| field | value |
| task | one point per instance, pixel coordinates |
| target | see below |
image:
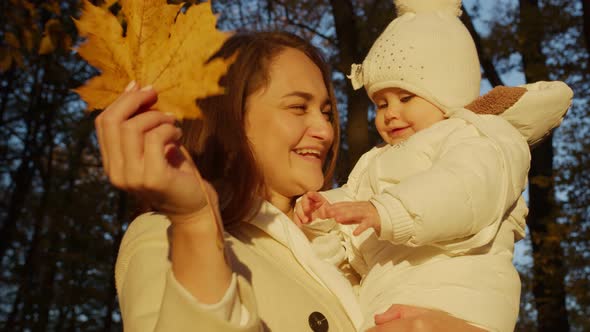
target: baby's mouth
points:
(396, 132)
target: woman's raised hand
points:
(141, 154)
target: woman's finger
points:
(112, 120)
(389, 315)
(100, 140)
(155, 160)
(132, 135)
(99, 125)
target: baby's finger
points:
(344, 213)
(318, 199)
(315, 197)
(345, 218)
(300, 217)
(305, 204)
(363, 226)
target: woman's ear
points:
(533, 109)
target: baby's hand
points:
(362, 213)
(312, 205)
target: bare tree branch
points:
(310, 29)
(486, 62)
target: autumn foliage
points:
(164, 45)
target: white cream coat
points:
(280, 280)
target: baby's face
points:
(401, 114)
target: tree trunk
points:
(24, 176)
(121, 219)
(586, 10)
(9, 325)
(44, 302)
(357, 126)
(22, 180)
(55, 226)
(548, 269)
(5, 92)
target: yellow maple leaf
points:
(164, 46)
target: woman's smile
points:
(314, 155)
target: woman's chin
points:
(314, 185)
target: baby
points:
(431, 217)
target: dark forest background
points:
(61, 221)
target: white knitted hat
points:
(425, 50)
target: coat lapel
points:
(276, 224)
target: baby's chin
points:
(394, 141)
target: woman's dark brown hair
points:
(218, 143)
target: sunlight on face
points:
(401, 114)
(289, 126)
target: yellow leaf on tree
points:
(28, 38)
(52, 6)
(11, 40)
(107, 4)
(163, 46)
(52, 32)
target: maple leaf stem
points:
(220, 240)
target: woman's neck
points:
(285, 204)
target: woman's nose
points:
(320, 127)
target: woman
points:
(269, 139)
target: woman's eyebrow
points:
(305, 95)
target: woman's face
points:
(288, 123)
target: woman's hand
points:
(140, 154)
(406, 318)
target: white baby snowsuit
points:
(449, 200)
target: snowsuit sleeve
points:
(464, 192)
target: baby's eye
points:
(407, 98)
(381, 106)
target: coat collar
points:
(276, 224)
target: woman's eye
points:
(328, 115)
(298, 107)
(406, 99)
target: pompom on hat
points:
(426, 50)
